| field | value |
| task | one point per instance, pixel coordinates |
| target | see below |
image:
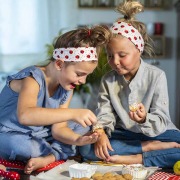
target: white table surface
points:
(61, 172)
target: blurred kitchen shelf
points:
(159, 46)
(109, 4)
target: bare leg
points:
(39, 162)
(130, 159)
(158, 145)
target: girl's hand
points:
(85, 117)
(102, 146)
(87, 139)
(139, 115)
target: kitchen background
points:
(26, 26)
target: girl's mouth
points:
(73, 85)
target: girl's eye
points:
(110, 56)
(122, 55)
(80, 74)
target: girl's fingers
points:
(131, 114)
(106, 153)
(88, 122)
(140, 114)
(110, 147)
(102, 155)
(83, 123)
(95, 135)
(93, 119)
(136, 117)
(93, 138)
(97, 153)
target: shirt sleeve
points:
(158, 117)
(105, 112)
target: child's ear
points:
(59, 64)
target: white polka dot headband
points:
(76, 54)
(128, 31)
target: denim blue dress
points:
(19, 142)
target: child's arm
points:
(102, 145)
(63, 133)
(30, 114)
(105, 111)
(157, 118)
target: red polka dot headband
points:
(76, 54)
(128, 31)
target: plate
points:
(103, 163)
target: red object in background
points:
(51, 165)
(12, 175)
(9, 175)
(174, 178)
(20, 165)
(158, 28)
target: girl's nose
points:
(116, 61)
(82, 80)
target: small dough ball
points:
(108, 174)
(128, 176)
(111, 178)
(98, 178)
(97, 174)
(119, 177)
(106, 178)
(133, 107)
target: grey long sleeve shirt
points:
(149, 87)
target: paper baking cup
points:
(81, 170)
(138, 171)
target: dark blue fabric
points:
(125, 142)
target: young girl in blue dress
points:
(34, 102)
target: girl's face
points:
(73, 74)
(123, 56)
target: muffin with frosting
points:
(138, 171)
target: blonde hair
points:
(129, 8)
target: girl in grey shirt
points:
(133, 106)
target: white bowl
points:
(81, 170)
(138, 171)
